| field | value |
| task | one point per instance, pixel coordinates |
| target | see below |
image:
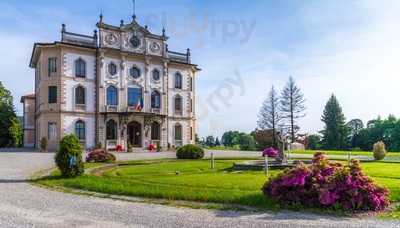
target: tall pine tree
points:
(292, 106)
(335, 133)
(269, 116)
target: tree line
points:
(354, 135)
(11, 130)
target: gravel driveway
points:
(24, 205)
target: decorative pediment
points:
(131, 37)
(135, 27)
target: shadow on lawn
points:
(11, 181)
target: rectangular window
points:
(52, 94)
(52, 131)
(134, 96)
(178, 132)
(52, 67)
(191, 133)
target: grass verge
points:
(190, 180)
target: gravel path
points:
(24, 205)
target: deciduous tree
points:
(10, 133)
(269, 116)
(292, 106)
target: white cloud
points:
(358, 63)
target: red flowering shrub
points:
(151, 147)
(329, 185)
(99, 155)
(119, 148)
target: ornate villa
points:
(121, 87)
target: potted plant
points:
(151, 147)
(43, 144)
(130, 147)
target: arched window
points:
(80, 130)
(112, 69)
(155, 99)
(80, 68)
(112, 95)
(80, 98)
(178, 132)
(156, 75)
(178, 80)
(111, 130)
(178, 104)
(155, 131)
(134, 72)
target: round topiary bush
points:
(69, 157)
(190, 152)
(325, 184)
(99, 155)
(379, 150)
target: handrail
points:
(81, 35)
(177, 53)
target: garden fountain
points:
(279, 160)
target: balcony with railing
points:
(79, 39)
(178, 56)
(130, 109)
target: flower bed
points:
(327, 184)
(99, 155)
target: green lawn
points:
(390, 155)
(194, 181)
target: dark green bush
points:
(190, 152)
(43, 144)
(69, 157)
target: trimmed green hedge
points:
(190, 152)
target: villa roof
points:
(28, 96)
(133, 25)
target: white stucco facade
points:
(115, 88)
(69, 122)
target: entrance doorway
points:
(135, 134)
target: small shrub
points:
(151, 147)
(98, 146)
(130, 147)
(325, 184)
(379, 150)
(69, 157)
(190, 152)
(159, 147)
(43, 144)
(99, 155)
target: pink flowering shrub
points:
(327, 184)
(270, 152)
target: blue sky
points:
(350, 48)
